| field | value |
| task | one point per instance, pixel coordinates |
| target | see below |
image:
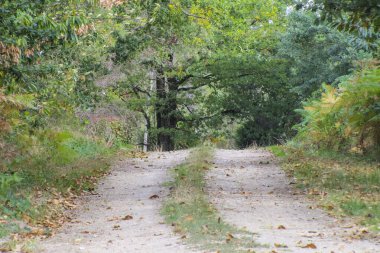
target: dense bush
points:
(262, 132)
(346, 118)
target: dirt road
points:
(124, 215)
(247, 187)
(252, 192)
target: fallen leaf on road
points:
(155, 196)
(309, 246)
(281, 227)
(229, 237)
(127, 217)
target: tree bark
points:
(166, 111)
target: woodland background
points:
(84, 80)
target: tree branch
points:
(137, 89)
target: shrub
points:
(346, 118)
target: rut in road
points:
(247, 187)
(124, 216)
(251, 191)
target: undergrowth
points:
(345, 118)
(49, 164)
(192, 216)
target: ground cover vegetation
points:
(82, 79)
(51, 53)
(192, 216)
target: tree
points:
(48, 65)
(359, 17)
(317, 53)
(159, 47)
(176, 42)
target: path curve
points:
(251, 191)
(133, 191)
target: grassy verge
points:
(37, 185)
(189, 211)
(345, 185)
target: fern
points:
(344, 118)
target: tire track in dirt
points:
(124, 215)
(251, 191)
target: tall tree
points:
(317, 53)
(177, 41)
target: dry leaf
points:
(309, 246)
(281, 227)
(229, 237)
(127, 217)
(189, 218)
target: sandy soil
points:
(252, 192)
(124, 215)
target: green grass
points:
(191, 215)
(349, 185)
(6, 229)
(277, 150)
(56, 163)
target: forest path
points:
(124, 215)
(250, 191)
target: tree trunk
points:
(166, 112)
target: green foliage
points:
(360, 17)
(13, 205)
(185, 45)
(53, 158)
(50, 57)
(340, 120)
(317, 53)
(277, 150)
(360, 208)
(259, 94)
(54, 155)
(6, 183)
